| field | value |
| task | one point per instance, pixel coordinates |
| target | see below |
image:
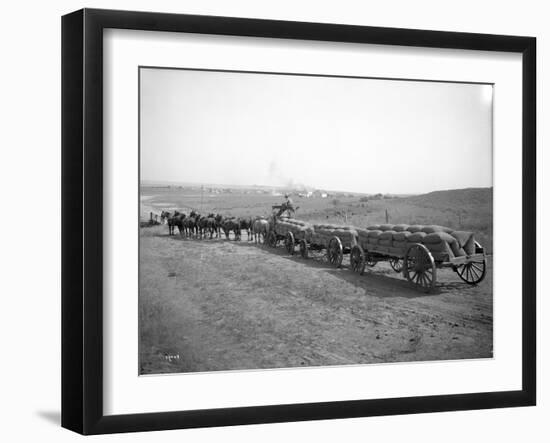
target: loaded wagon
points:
(419, 251)
(287, 230)
(336, 240)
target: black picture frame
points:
(82, 218)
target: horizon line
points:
(296, 187)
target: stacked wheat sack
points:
(299, 228)
(439, 240)
(322, 233)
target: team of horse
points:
(195, 225)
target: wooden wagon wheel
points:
(289, 243)
(357, 259)
(335, 252)
(272, 239)
(396, 264)
(419, 267)
(472, 272)
(304, 250)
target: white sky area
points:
(357, 135)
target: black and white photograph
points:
(298, 220)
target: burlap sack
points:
(436, 228)
(401, 236)
(387, 235)
(415, 228)
(465, 240)
(416, 237)
(386, 227)
(437, 247)
(373, 227)
(374, 234)
(438, 237)
(400, 228)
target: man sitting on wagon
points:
(287, 206)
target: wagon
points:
(419, 251)
(288, 231)
(336, 240)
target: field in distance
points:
(468, 209)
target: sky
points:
(345, 134)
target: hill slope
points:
(479, 197)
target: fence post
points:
(387, 218)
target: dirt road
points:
(208, 305)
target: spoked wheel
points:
(304, 250)
(419, 267)
(272, 239)
(472, 272)
(357, 259)
(335, 252)
(396, 264)
(289, 243)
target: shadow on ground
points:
(53, 417)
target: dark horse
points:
(164, 215)
(173, 221)
(170, 219)
(246, 224)
(178, 221)
(210, 224)
(190, 224)
(231, 224)
(203, 226)
(218, 225)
